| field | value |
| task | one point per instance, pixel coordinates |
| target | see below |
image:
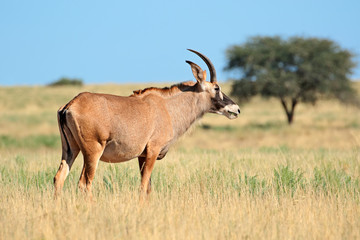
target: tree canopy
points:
(293, 70)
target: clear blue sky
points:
(146, 41)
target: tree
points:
(294, 70)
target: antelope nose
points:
(239, 111)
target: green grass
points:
(215, 179)
(31, 142)
(288, 181)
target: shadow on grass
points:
(220, 128)
(270, 125)
(267, 125)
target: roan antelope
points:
(144, 125)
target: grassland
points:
(251, 178)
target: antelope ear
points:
(204, 75)
(199, 74)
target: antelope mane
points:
(166, 91)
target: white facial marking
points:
(221, 95)
(231, 111)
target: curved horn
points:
(209, 64)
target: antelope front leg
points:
(142, 161)
(146, 167)
(82, 180)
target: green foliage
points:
(254, 185)
(294, 70)
(67, 82)
(24, 179)
(287, 180)
(331, 180)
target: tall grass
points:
(252, 178)
(209, 195)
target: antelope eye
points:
(217, 88)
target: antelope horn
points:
(209, 64)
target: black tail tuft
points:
(62, 121)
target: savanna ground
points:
(250, 178)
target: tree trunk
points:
(289, 112)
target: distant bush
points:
(67, 82)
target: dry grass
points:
(252, 178)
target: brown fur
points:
(144, 125)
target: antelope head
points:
(220, 103)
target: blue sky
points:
(146, 41)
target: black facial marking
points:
(218, 103)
